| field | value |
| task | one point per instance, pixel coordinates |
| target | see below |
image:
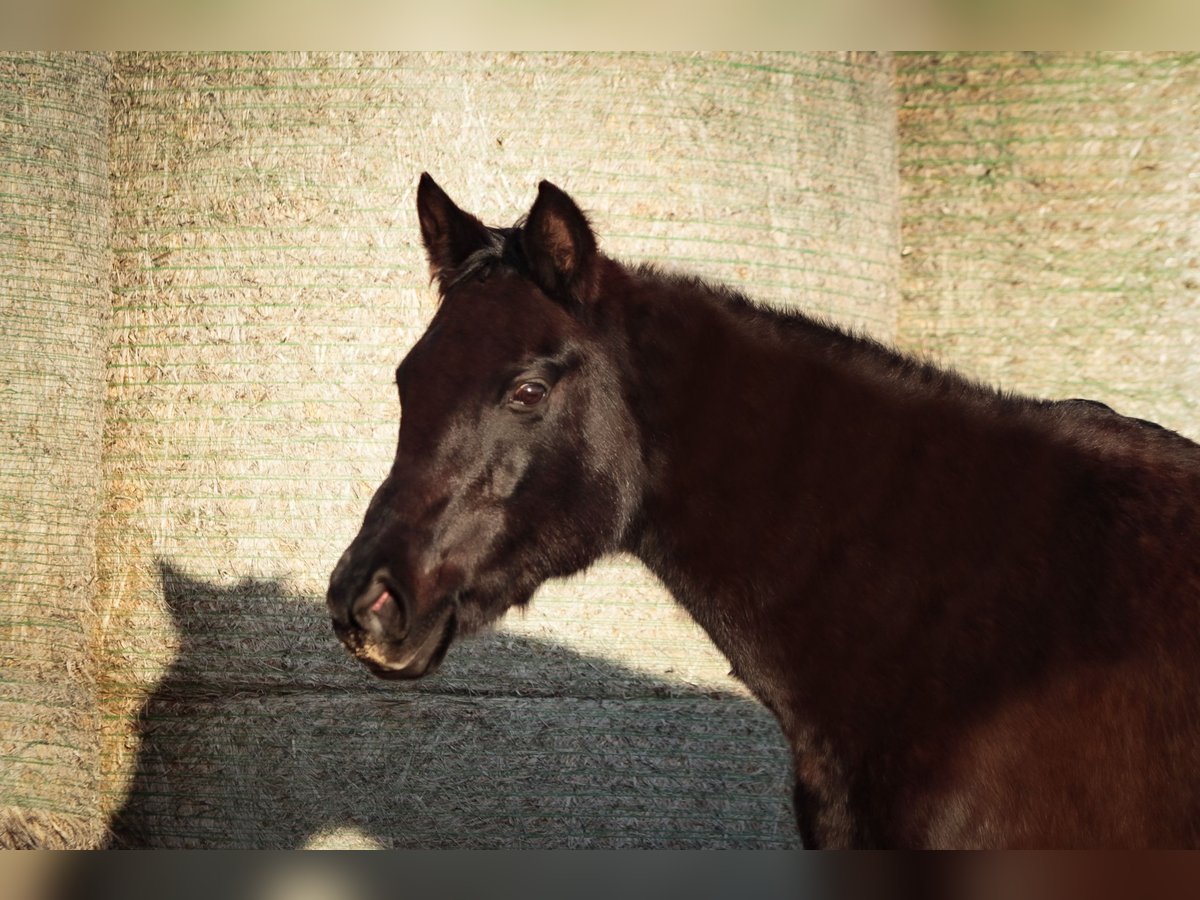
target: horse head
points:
(517, 458)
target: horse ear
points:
(450, 235)
(560, 246)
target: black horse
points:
(975, 615)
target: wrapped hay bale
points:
(1049, 210)
(54, 264)
(268, 278)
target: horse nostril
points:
(381, 611)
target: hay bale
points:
(268, 277)
(54, 264)
(1049, 209)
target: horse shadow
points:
(263, 733)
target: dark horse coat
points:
(975, 615)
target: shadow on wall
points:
(517, 743)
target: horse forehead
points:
(479, 328)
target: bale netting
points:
(1050, 215)
(54, 264)
(268, 277)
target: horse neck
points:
(757, 432)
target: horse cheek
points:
(506, 472)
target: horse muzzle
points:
(382, 630)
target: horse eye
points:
(529, 393)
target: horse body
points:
(976, 616)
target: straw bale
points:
(421, 771)
(536, 758)
(267, 278)
(1049, 223)
(54, 221)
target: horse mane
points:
(502, 248)
(853, 348)
(1088, 425)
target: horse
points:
(975, 615)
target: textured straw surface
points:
(54, 223)
(267, 279)
(1050, 209)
